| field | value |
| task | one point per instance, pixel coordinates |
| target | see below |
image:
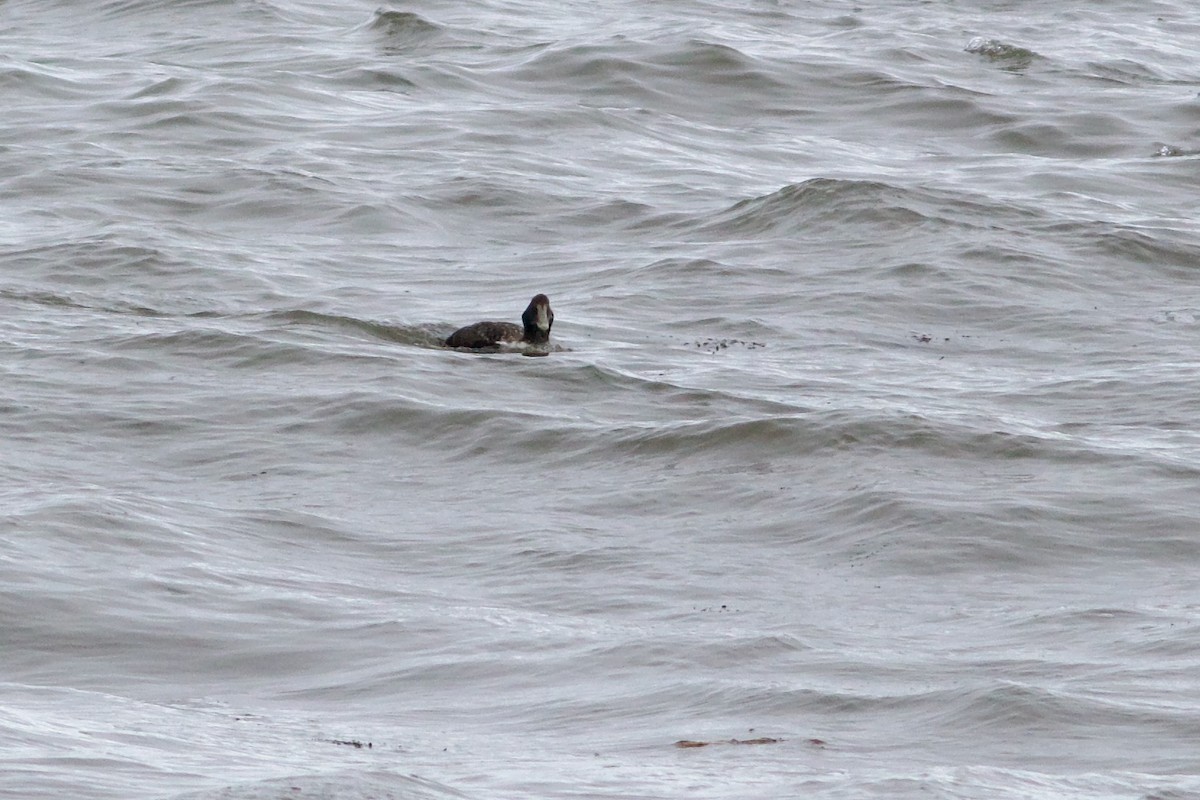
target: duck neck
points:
(536, 335)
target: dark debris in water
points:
(925, 338)
(355, 743)
(757, 740)
(717, 345)
(722, 608)
(760, 740)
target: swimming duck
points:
(534, 328)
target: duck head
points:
(537, 320)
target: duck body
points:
(534, 329)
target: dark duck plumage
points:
(534, 328)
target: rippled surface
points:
(870, 430)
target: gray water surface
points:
(870, 426)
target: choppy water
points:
(871, 428)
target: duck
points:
(534, 329)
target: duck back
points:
(485, 334)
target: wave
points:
(623, 73)
(349, 785)
(819, 205)
(403, 32)
(1008, 56)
